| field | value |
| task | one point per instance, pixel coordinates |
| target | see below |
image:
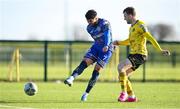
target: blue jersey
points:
(101, 32)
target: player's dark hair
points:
(91, 14)
(130, 11)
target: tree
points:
(161, 31)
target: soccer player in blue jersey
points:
(99, 53)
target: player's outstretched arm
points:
(156, 45)
(125, 42)
(115, 42)
(166, 52)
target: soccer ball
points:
(30, 88)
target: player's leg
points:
(122, 68)
(131, 95)
(92, 82)
(128, 84)
(94, 78)
(89, 58)
(130, 92)
(129, 88)
(136, 61)
(102, 60)
(83, 65)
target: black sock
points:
(92, 81)
(79, 69)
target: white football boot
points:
(84, 97)
(69, 81)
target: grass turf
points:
(158, 71)
(52, 95)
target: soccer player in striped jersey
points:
(99, 53)
(138, 35)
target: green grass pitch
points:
(52, 95)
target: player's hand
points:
(105, 48)
(115, 42)
(166, 52)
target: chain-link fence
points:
(55, 60)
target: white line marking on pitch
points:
(15, 107)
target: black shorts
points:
(137, 60)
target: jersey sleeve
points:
(88, 29)
(143, 28)
(125, 42)
(107, 33)
(153, 41)
(145, 33)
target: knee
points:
(121, 68)
(88, 61)
(97, 68)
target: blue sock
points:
(79, 69)
(92, 81)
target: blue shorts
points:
(96, 54)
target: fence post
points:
(144, 73)
(70, 58)
(174, 59)
(45, 60)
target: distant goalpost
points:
(15, 59)
(111, 68)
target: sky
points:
(56, 19)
